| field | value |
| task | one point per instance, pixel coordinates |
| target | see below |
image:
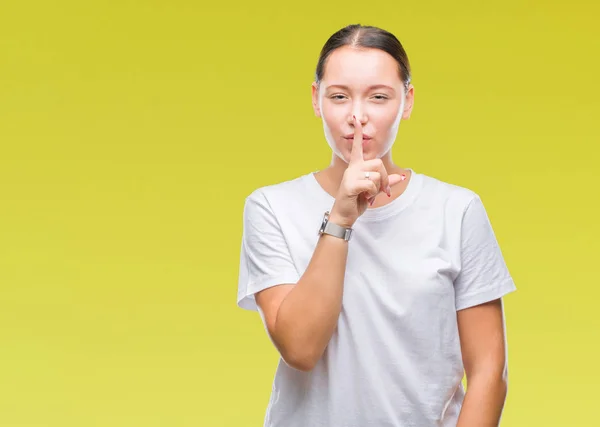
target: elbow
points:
(504, 383)
(503, 379)
(300, 359)
(297, 353)
(490, 377)
(300, 364)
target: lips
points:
(351, 137)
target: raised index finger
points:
(356, 154)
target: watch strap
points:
(335, 230)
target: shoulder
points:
(281, 189)
(282, 194)
(448, 194)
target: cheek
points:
(333, 116)
(385, 118)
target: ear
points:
(409, 102)
(315, 99)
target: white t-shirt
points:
(395, 357)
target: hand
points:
(356, 191)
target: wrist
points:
(338, 219)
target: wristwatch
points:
(334, 229)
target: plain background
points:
(132, 131)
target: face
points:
(364, 83)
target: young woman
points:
(378, 285)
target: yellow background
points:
(132, 131)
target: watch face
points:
(324, 223)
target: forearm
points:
(308, 315)
(484, 401)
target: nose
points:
(359, 113)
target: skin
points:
(379, 110)
(300, 318)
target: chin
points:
(367, 154)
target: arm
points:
(301, 318)
(484, 349)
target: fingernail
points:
(372, 201)
(389, 191)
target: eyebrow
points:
(379, 86)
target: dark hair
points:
(364, 36)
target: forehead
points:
(349, 65)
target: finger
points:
(366, 188)
(377, 165)
(374, 177)
(356, 155)
(396, 178)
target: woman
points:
(379, 286)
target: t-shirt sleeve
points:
(484, 275)
(265, 259)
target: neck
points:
(337, 167)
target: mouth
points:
(350, 137)
(366, 140)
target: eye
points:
(337, 97)
(380, 97)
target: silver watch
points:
(334, 229)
